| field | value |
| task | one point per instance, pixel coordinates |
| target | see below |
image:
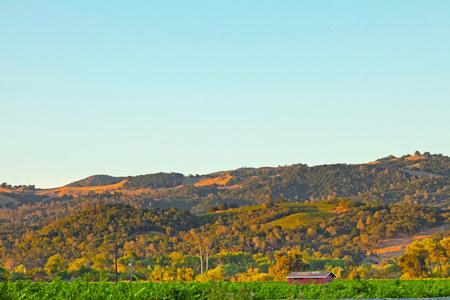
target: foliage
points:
(386, 180)
(228, 290)
(426, 258)
(154, 181)
(163, 243)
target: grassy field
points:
(302, 213)
(300, 219)
(312, 206)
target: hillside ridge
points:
(419, 178)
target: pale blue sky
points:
(137, 87)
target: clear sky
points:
(138, 87)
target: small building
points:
(307, 277)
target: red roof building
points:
(307, 277)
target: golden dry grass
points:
(5, 190)
(217, 180)
(414, 166)
(77, 191)
(415, 157)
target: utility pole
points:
(115, 250)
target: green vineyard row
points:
(345, 289)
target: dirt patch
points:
(396, 247)
(4, 199)
(191, 180)
(414, 166)
(421, 174)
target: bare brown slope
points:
(396, 247)
(5, 199)
(77, 191)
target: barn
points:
(307, 277)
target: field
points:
(312, 212)
(300, 219)
(310, 206)
(355, 289)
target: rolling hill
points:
(418, 178)
(336, 214)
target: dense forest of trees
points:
(154, 181)
(248, 243)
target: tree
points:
(212, 275)
(101, 262)
(280, 201)
(414, 262)
(254, 275)
(185, 274)
(207, 242)
(360, 225)
(223, 206)
(56, 264)
(269, 201)
(78, 264)
(212, 209)
(9, 263)
(286, 263)
(197, 239)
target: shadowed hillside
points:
(96, 180)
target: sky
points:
(138, 87)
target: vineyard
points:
(353, 289)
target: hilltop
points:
(96, 180)
(419, 178)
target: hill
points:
(419, 178)
(88, 231)
(296, 216)
(76, 191)
(96, 180)
(391, 180)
